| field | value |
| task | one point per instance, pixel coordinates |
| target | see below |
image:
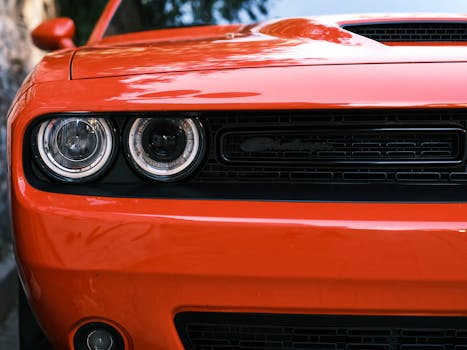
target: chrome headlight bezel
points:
(54, 169)
(188, 162)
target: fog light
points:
(98, 336)
(100, 339)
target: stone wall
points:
(17, 56)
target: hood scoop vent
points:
(406, 32)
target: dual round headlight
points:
(74, 149)
(79, 149)
(165, 149)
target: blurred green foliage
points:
(147, 14)
(85, 13)
(169, 13)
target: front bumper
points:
(137, 263)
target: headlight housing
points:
(74, 149)
(165, 149)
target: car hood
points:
(282, 42)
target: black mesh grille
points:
(223, 331)
(412, 32)
(336, 146)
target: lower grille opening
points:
(225, 331)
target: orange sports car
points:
(299, 183)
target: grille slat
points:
(412, 32)
(200, 331)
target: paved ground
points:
(8, 303)
(9, 332)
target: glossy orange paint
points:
(277, 43)
(54, 34)
(137, 262)
(340, 86)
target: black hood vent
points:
(412, 31)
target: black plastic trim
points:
(370, 186)
(409, 193)
(313, 319)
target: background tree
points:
(149, 14)
(85, 13)
(170, 13)
(14, 58)
(17, 18)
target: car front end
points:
(260, 189)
